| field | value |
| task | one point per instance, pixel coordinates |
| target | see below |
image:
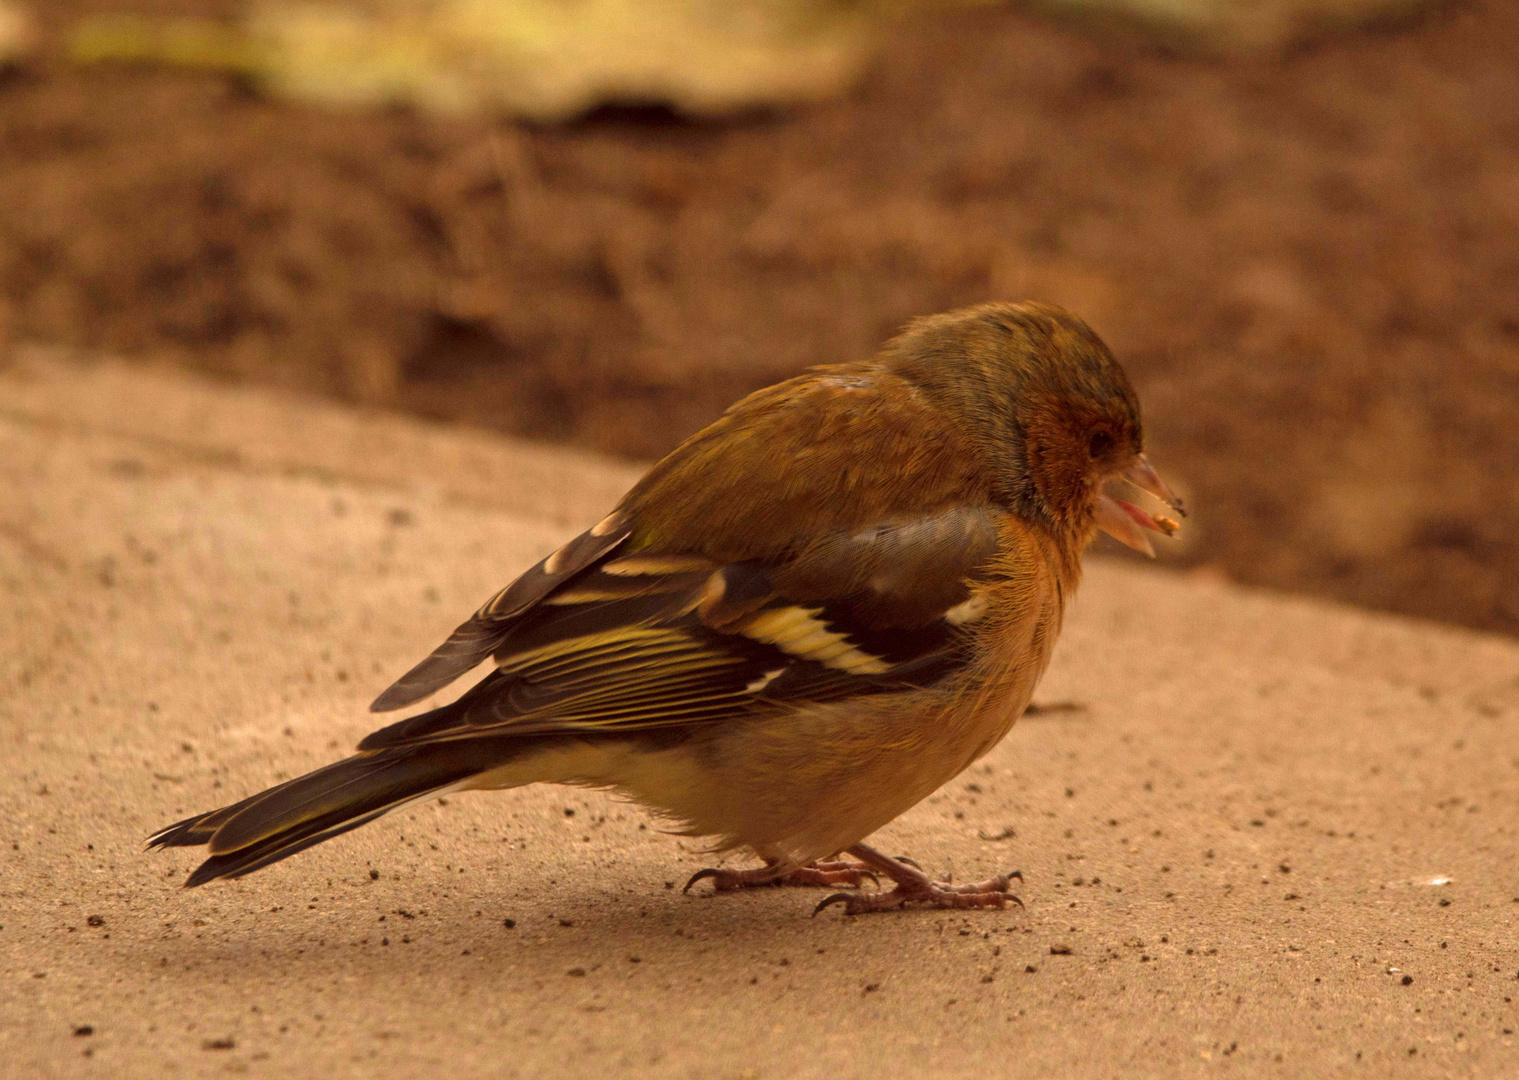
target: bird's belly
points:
(803, 785)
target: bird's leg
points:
(823, 872)
(913, 886)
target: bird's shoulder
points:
(837, 449)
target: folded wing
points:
(483, 633)
(632, 641)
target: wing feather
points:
(636, 643)
(481, 635)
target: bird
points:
(804, 620)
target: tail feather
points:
(293, 816)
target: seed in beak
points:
(1142, 475)
(1127, 523)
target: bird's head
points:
(1044, 401)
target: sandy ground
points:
(1260, 836)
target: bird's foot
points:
(915, 887)
(823, 873)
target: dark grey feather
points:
(477, 638)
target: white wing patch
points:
(650, 565)
(610, 523)
(555, 562)
(967, 611)
(585, 595)
(763, 681)
(801, 633)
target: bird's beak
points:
(1127, 523)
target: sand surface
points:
(1259, 837)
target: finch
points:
(799, 624)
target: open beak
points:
(1127, 523)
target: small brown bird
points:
(800, 623)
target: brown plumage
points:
(801, 622)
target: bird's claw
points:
(912, 886)
(833, 872)
(990, 894)
(836, 898)
(709, 872)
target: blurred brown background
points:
(1303, 243)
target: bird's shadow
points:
(559, 928)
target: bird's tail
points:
(283, 820)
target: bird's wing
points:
(638, 641)
(804, 466)
(483, 633)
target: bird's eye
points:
(1099, 444)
